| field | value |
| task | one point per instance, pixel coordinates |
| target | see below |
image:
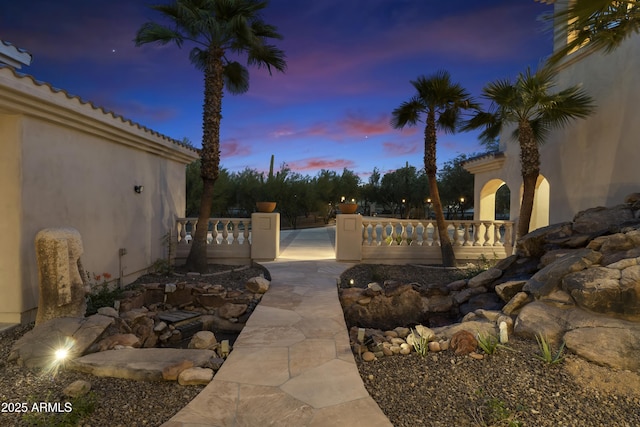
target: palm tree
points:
(528, 104)
(216, 29)
(438, 102)
(595, 25)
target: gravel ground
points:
(511, 387)
(116, 402)
(438, 390)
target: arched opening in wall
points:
(494, 201)
(540, 213)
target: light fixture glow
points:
(61, 354)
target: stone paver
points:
(292, 364)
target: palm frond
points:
(408, 113)
(236, 78)
(152, 32)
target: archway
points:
(492, 204)
(540, 214)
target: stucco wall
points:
(595, 162)
(590, 162)
(67, 164)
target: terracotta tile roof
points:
(13, 55)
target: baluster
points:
(384, 234)
(374, 234)
(414, 234)
(476, 234)
(394, 235)
(225, 232)
(487, 241)
(236, 232)
(182, 231)
(245, 232)
(425, 233)
(214, 232)
(456, 237)
(497, 238)
(467, 236)
(365, 233)
(403, 234)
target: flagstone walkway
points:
(292, 364)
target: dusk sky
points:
(350, 63)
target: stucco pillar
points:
(265, 236)
(348, 237)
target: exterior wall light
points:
(138, 188)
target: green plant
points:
(489, 343)
(420, 343)
(494, 412)
(546, 352)
(101, 294)
(68, 413)
(164, 265)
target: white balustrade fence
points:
(228, 239)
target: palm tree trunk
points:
(210, 155)
(446, 249)
(530, 165)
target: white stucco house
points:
(591, 162)
(68, 163)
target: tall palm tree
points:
(438, 102)
(216, 29)
(595, 25)
(529, 104)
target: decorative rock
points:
(391, 334)
(62, 289)
(476, 356)
(402, 332)
(397, 341)
(516, 303)
(124, 340)
(160, 327)
(485, 277)
(597, 220)
(368, 356)
(375, 287)
(457, 285)
(77, 388)
(395, 349)
(171, 373)
(387, 351)
(508, 290)
(108, 311)
(424, 332)
(215, 363)
(229, 310)
(444, 345)
(434, 346)
(405, 351)
(257, 285)
(195, 376)
(364, 301)
(463, 342)
(203, 340)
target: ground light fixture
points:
(138, 188)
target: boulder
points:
(534, 244)
(598, 220)
(77, 388)
(485, 277)
(463, 342)
(507, 290)
(195, 376)
(387, 312)
(257, 285)
(229, 310)
(550, 277)
(203, 340)
(616, 347)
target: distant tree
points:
(217, 29)
(529, 104)
(222, 192)
(348, 186)
(595, 25)
(438, 102)
(370, 192)
(456, 184)
(248, 188)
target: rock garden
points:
(548, 336)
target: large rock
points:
(62, 288)
(550, 277)
(484, 278)
(598, 220)
(601, 290)
(535, 244)
(35, 348)
(139, 363)
(617, 347)
(405, 307)
(257, 285)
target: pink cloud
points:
(233, 148)
(400, 149)
(318, 163)
(361, 126)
